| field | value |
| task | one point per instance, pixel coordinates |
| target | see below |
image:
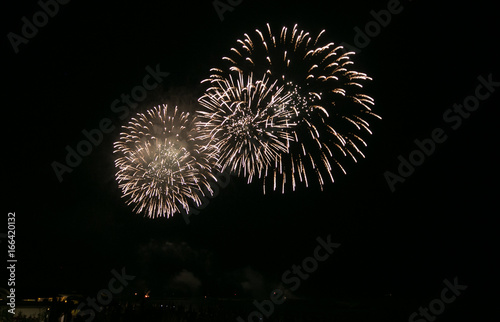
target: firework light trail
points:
(162, 165)
(245, 120)
(326, 111)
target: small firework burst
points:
(246, 121)
(326, 107)
(162, 164)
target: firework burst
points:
(328, 111)
(162, 165)
(245, 120)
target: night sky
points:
(440, 223)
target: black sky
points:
(440, 223)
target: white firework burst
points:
(246, 121)
(326, 107)
(162, 164)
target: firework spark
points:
(245, 120)
(162, 165)
(328, 113)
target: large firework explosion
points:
(245, 120)
(323, 94)
(162, 164)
